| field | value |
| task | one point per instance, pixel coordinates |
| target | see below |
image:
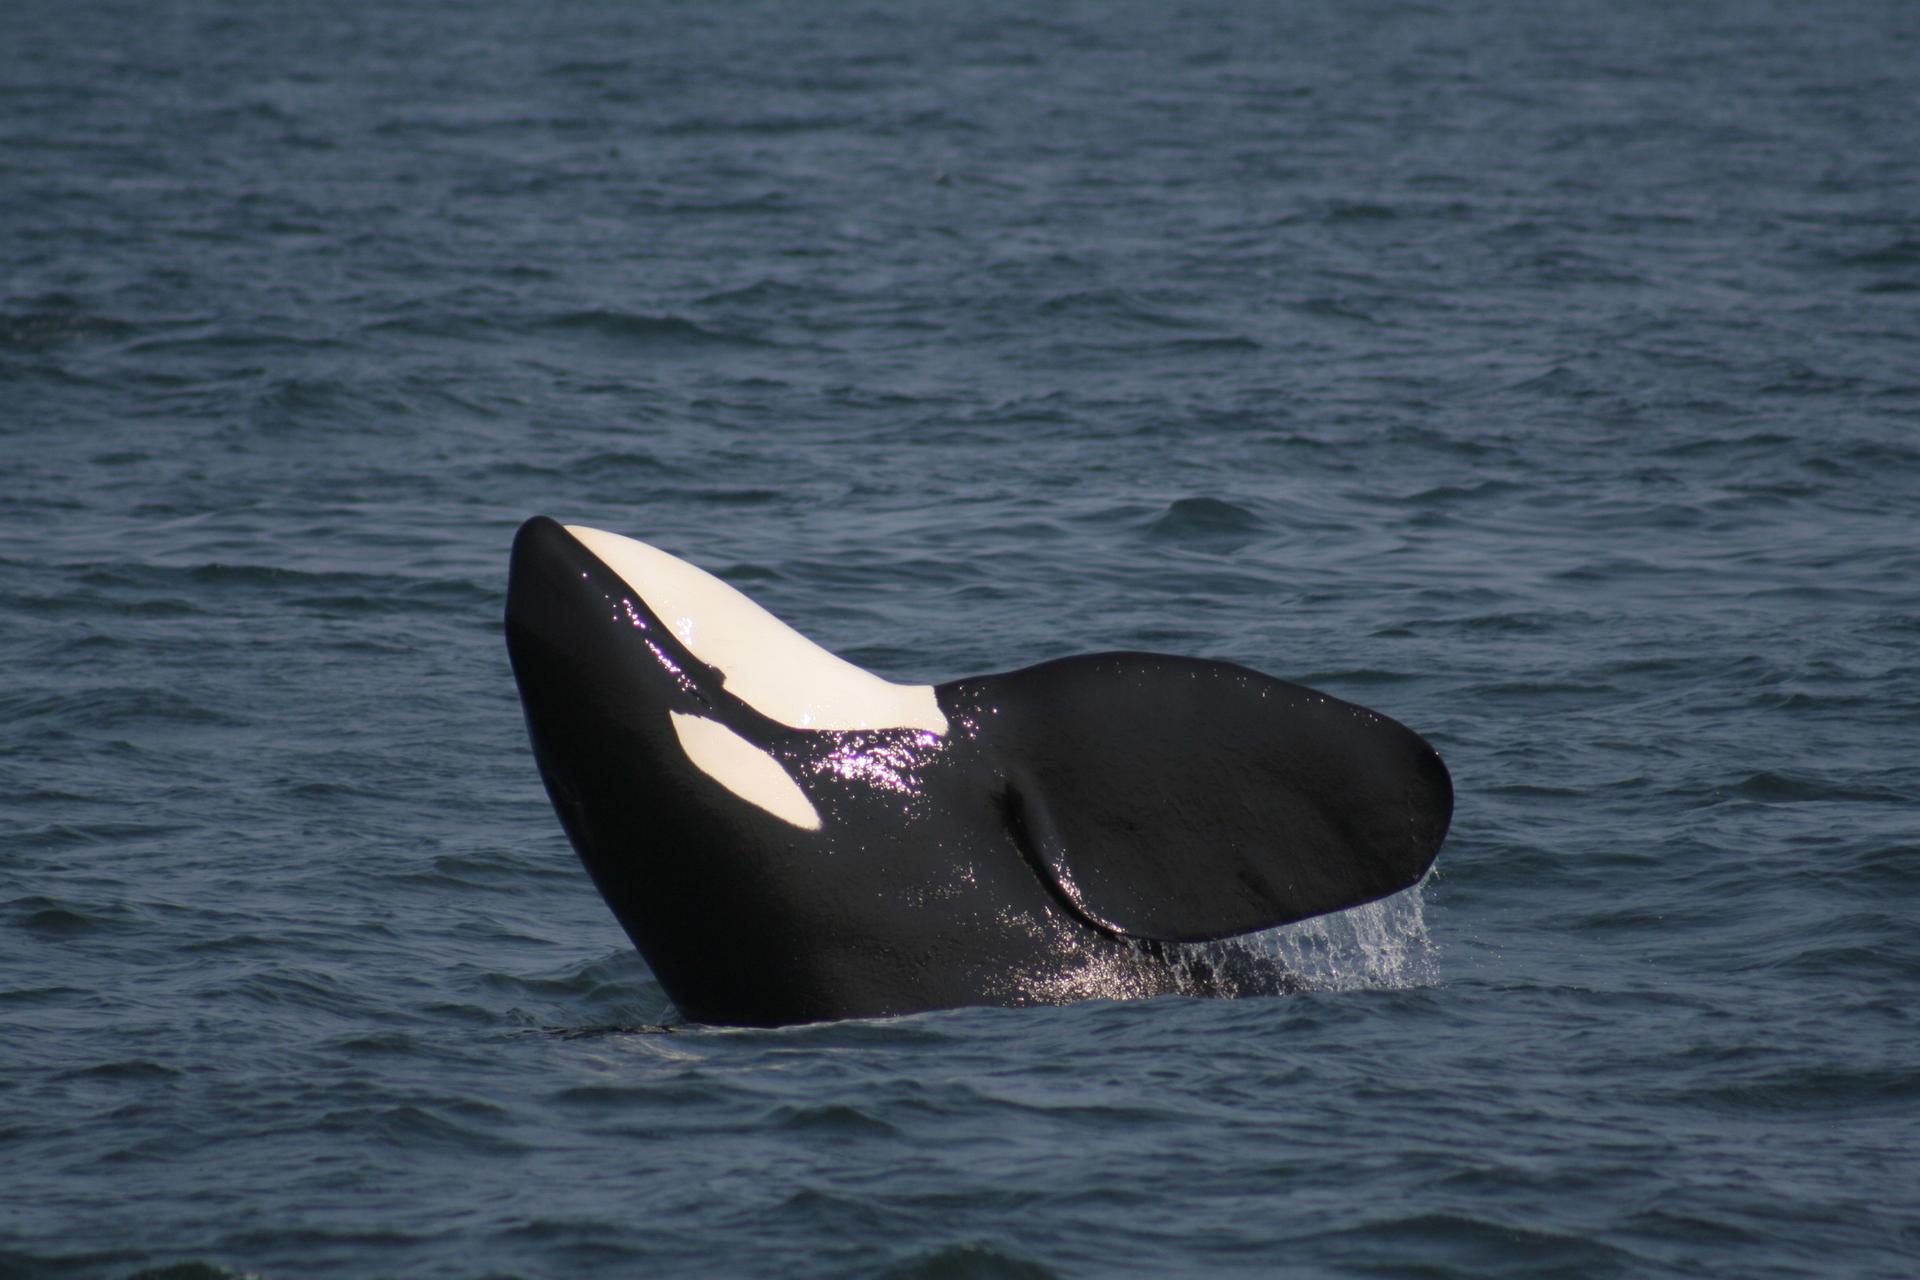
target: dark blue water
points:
(1545, 376)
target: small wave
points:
(763, 126)
(604, 1239)
(26, 1266)
(613, 995)
(762, 292)
(1458, 1244)
(1712, 446)
(733, 496)
(59, 922)
(1895, 866)
(220, 573)
(1354, 676)
(1560, 381)
(1864, 457)
(968, 1262)
(1209, 523)
(57, 996)
(409, 1126)
(57, 320)
(835, 1120)
(495, 870)
(131, 1069)
(282, 1239)
(1615, 567)
(193, 1271)
(1326, 307)
(1902, 252)
(238, 943)
(750, 571)
(1455, 494)
(388, 1043)
(113, 706)
(1771, 787)
(1112, 304)
(1504, 623)
(62, 920)
(68, 835)
(1797, 1090)
(291, 989)
(650, 331)
(1797, 379)
(679, 1093)
(1201, 346)
(618, 462)
(590, 68)
(1337, 212)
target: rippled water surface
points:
(1546, 376)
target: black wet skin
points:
(1079, 828)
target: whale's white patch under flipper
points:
(744, 769)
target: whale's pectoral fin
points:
(1182, 800)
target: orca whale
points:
(787, 837)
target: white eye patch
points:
(744, 769)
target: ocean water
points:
(1545, 376)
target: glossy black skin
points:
(1058, 842)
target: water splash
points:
(1382, 945)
